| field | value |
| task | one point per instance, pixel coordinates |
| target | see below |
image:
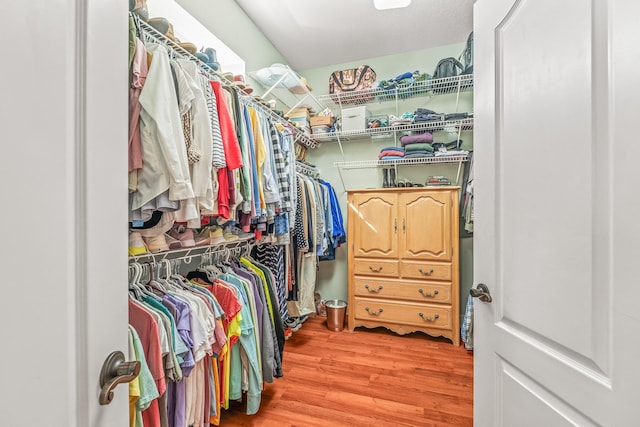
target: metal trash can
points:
(336, 310)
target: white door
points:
(557, 98)
(63, 127)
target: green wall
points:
(332, 276)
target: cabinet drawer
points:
(425, 270)
(423, 315)
(375, 267)
(418, 291)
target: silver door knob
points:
(115, 371)
(481, 292)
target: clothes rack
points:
(150, 34)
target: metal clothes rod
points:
(187, 254)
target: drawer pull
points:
(428, 294)
(426, 273)
(429, 319)
(375, 269)
(374, 313)
(373, 291)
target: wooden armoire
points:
(403, 260)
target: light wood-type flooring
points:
(369, 377)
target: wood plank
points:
(363, 378)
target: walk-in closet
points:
(373, 212)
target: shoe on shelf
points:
(172, 242)
(201, 239)
(228, 235)
(136, 244)
(238, 232)
(214, 233)
(184, 235)
(156, 244)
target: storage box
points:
(298, 112)
(354, 119)
(322, 121)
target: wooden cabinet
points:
(403, 260)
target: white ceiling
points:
(317, 33)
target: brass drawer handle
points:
(428, 294)
(374, 313)
(426, 273)
(375, 269)
(373, 291)
(429, 319)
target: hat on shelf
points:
(238, 80)
(139, 7)
(212, 58)
(189, 47)
(202, 57)
(163, 26)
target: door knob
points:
(482, 292)
(115, 371)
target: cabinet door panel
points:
(374, 221)
(426, 225)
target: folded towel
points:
(390, 153)
(411, 139)
(392, 158)
(392, 148)
(419, 146)
(418, 155)
(418, 152)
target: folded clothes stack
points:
(391, 153)
(412, 139)
(418, 150)
(426, 115)
(418, 146)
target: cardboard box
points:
(321, 121)
(298, 112)
(354, 119)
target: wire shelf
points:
(462, 83)
(306, 169)
(365, 164)
(432, 126)
(148, 33)
(187, 253)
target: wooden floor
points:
(369, 377)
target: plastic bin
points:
(336, 310)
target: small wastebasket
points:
(336, 310)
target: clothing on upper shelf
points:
(411, 139)
(197, 149)
(418, 146)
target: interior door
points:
(556, 236)
(63, 121)
(375, 224)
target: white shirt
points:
(164, 151)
